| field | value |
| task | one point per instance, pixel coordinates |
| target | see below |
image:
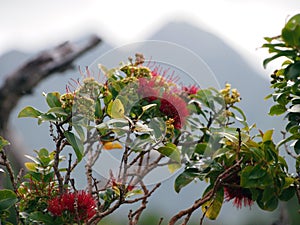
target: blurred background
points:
(226, 34)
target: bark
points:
(23, 81)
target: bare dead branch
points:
(23, 80)
(135, 216)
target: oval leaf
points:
(277, 110)
(75, 143)
(171, 151)
(53, 99)
(7, 199)
(58, 110)
(185, 178)
(31, 166)
(3, 142)
(117, 109)
(29, 112)
(213, 207)
(268, 135)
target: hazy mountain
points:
(227, 65)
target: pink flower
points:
(86, 205)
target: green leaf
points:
(287, 53)
(159, 127)
(171, 151)
(79, 131)
(117, 109)
(29, 112)
(213, 207)
(267, 200)
(7, 199)
(255, 177)
(292, 72)
(271, 154)
(287, 194)
(185, 178)
(258, 153)
(291, 32)
(268, 135)
(53, 99)
(57, 110)
(134, 193)
(268, 96)
(257, 172)
(240, 112)
(268, 39)
(45, 218)
(31, 166)
(98, 109)
(44, 157)
(277, 110)
(297, 147)
(3, 142)
(200, 148)
(46, 117)
(76, 143)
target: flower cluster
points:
(231, 96)
(175, 108)
(78, 205)
(239, 195)
(172, 105)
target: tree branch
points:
(23, 80)
(209, 195)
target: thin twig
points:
(239, 145)
(135, 216)
(220, 179)
(97, 192)
(160, 221)
(149, 193)
(60, 144)
(286, 146)
(69, 170)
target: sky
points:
(33, 25)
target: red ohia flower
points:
(234, 191)
(190, 90)
(148, 89)
(174, 107)
(240, 196)
(55, 207)
(86, 205)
